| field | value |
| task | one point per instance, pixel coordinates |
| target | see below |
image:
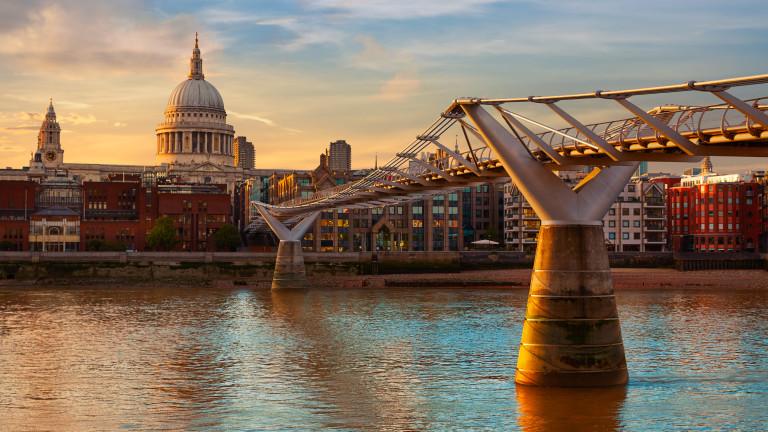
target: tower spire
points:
(51, 114)
(196, 62)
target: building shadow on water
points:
(570, 409)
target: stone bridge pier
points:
(571, 334)
(290, 272)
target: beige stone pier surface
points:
(571, 335)
(290, 272)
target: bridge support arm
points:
(571, 334)
(290, 272)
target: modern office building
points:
(340, 156)
(245, 155)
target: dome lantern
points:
(196, 63)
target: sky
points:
(296, 75)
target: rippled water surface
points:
(208, 359)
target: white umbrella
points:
(485, 242)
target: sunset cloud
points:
(296, 75)
(94, 37)
(399, 87)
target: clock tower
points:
(49, 140)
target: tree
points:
(226, 238)
(491, 233)
(162, 237)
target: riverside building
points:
(716, 213)
(636, 221)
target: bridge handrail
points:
(601, 94)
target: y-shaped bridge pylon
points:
(290, 272)
(571, 335)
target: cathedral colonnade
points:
(197, 142)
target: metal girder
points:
(591, 136)
(461, 159)
(751, 112)
(281, 230)
(394, 184)
(685, 145)
(409, 176)
(540, 143)
(433, 169)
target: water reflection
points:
(569, 410)
(376, 394)
(208, 359)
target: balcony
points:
(655, 202)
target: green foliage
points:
(162, 237)
(105, 246)
(226, 238)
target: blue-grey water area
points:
(391, 359)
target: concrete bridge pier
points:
(290, 272)
(571, 333)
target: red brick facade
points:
(111, 215)
(715, 217)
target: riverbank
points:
(623, 279)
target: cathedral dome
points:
(195, 129)
(196, 93)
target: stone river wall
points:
(255, 268)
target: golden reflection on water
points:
(208, 359)
(569, 410)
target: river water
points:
(420, 359)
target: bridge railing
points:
(410, 169)
(697, 121)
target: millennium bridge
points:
(571, 333)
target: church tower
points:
(49, 140)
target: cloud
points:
(11, 148)
(119, 124)
(263, 120)
(71, 104)
(76, 119)
(401, 86)
(254, 117)
(398, 9)
(22, 127)
(91, 37)
(304, 31)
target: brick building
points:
(715, 213)
(62, 215)
(197, 211)
(17, 202)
